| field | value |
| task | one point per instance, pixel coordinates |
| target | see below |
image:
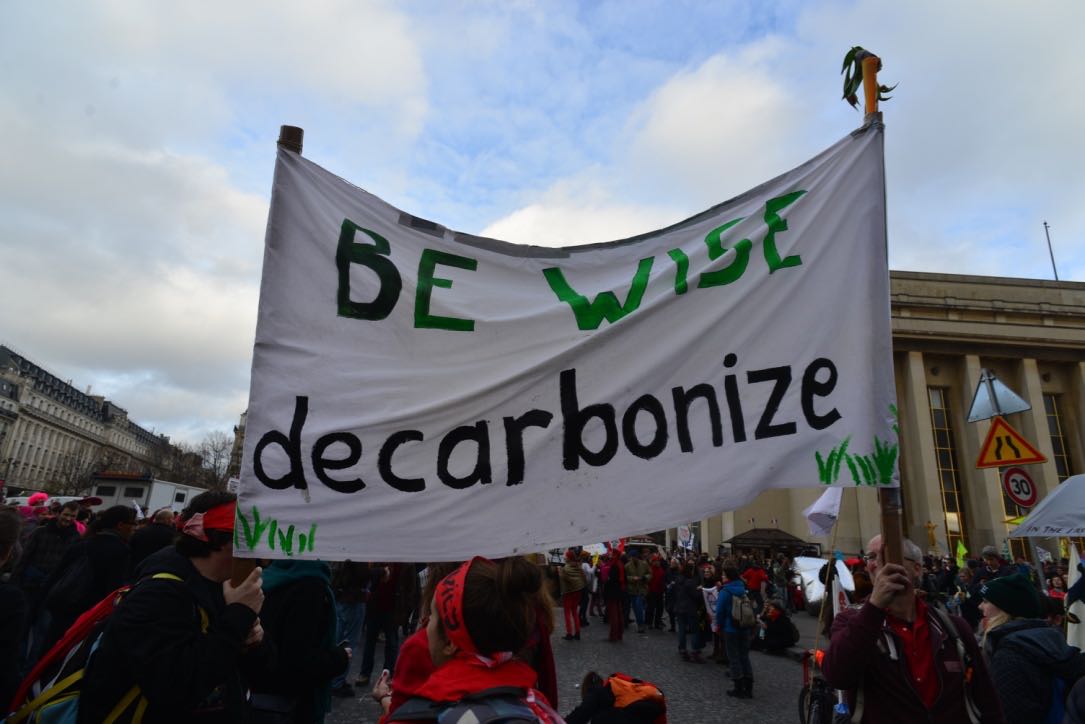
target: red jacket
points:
(656, 584)
(865, 652)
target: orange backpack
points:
(628, 690)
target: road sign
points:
(1019, 486)
(993, 398)
(1005, 446)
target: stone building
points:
(53, 436)
(946, 330)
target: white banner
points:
(420, 394)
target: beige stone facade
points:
(53, 436)
(946, 329)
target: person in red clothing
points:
(612, 574)
(756, 579)
(904, 661)
(482, 615)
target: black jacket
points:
(12, 627)
(1026, 655)
(156, 639)
(106, 563)
(150, 539)
(296, 617)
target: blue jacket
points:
(723, 605)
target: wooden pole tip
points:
(291, 137)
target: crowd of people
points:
(908, 649)
(182, 642)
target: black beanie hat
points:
(1013, 594)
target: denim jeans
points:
(738, 653)
(351, 616)
(636, 600)
(688, 625)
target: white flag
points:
(1075, 632)
(822, 514)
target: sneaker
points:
(567, 637)
(344, 690)
(576, 636)
(362, 681)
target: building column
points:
(702, 543)
(727, 525)
(668, 541)
(1075, 412)
(921, 486)
(1033, 425)
(985, 515)
(713, 536)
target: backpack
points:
(71, 587)
(50, 693)
(500, 705)
(629, 691)
(742, 611)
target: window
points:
(1061, 457)
(106, 491)
(945, 453)
(179, 498)
(133, 492)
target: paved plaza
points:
(695, 692)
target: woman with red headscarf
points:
(482, 619)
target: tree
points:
(215, 450)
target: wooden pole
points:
(871, 63)
(892, 518)
(290, 138)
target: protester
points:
(91, 570)
(40, 558)
(394, 595)
(184, 643)
(299, 618)
(589, 586)
(736, 640)
(13, 604)
(777, 632)
(350, 583)
(654, 609)
(482, 616)
(571, 581)
(688, 600)
(900, 660)
(757, 580)
(612, 574)
(671, 583)
(153, 537)
(637, 576)
(600, 705)
(1027, 656)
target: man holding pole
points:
(903, 661)
(175, 647)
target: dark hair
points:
(11, 525)
(111, 518)
(70, 505)
(731, 572)
(590, 683)
(435, 573)
(500, 604)
(191, 547)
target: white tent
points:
(1059, 515)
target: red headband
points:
(221, 517)
(449, 600)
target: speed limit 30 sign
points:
(1019, 486)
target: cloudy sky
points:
(140, 143)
